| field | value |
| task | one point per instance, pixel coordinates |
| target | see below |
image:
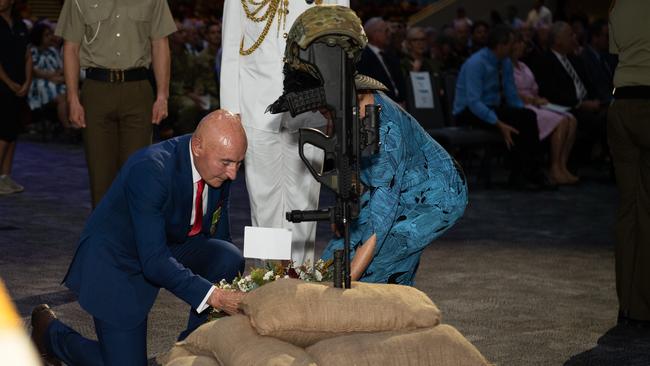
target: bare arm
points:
(71, 74)
(7, 80)
(161, 61)
(363, 257)
(24, 89)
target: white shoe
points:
(8, 182)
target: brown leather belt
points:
(117, 76)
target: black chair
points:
(463, 142)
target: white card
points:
(422, 92)
(267, 243)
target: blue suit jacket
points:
(123, 256)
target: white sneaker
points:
(4, 188)
(15, 187)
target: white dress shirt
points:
(196, 177)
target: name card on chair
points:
(422, 92)
(267, 243)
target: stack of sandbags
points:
(291, 322)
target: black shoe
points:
(633, 323)
(42, 317)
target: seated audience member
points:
(561, 127)
(562, 80)
(512, 16)
(378, 64)
(539, 14)
(480, 31)
(194, 90)
(462, 36)
(486, 97)
(599, 63)
(536, 44)
(397, 30)
(48, 84)
(194, 43)
(417, 59)
(449, 59)
(461, 18)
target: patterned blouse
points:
(44, 91)
(416, 191)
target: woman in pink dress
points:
(561, 127)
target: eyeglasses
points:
(417, 39)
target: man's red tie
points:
(198, 209)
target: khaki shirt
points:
(629, 37)
(115, 34)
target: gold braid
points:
(252, 8)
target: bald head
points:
(218, 147)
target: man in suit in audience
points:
(379, 65)
(162, 224)
(599, 63)
(563, 80)
(486, 97)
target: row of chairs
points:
(465, 143)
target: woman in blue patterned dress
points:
(48, 85)
(415, 191)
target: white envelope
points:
(267, 243)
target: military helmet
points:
(310, 62)
(334, 25)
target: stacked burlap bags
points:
(369, 324)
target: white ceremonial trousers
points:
(276, 179)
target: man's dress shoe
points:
(42, 316)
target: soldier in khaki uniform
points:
(115, 41)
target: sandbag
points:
(438, 346)
(231, 341)
(194, 361)
(303, 313)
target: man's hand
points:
(77, 113)
(506, 132)
(159, 111)
(14, 87)
(590, 105)
(226, 300)
(22, 90)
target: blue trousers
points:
(210, 258)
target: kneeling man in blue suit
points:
(163, 223)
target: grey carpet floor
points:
(527, 277)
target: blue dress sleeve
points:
(384, 176)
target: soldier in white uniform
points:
(251, 79)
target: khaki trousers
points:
(118, 122)
(629, 140)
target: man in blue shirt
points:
(486, 97)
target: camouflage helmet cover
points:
(334, 25)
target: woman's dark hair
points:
(36, 36)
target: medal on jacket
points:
(215, 219)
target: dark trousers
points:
(211, 258)
(629, 141)
(118, 122)
(525, 152)
(591, 130)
